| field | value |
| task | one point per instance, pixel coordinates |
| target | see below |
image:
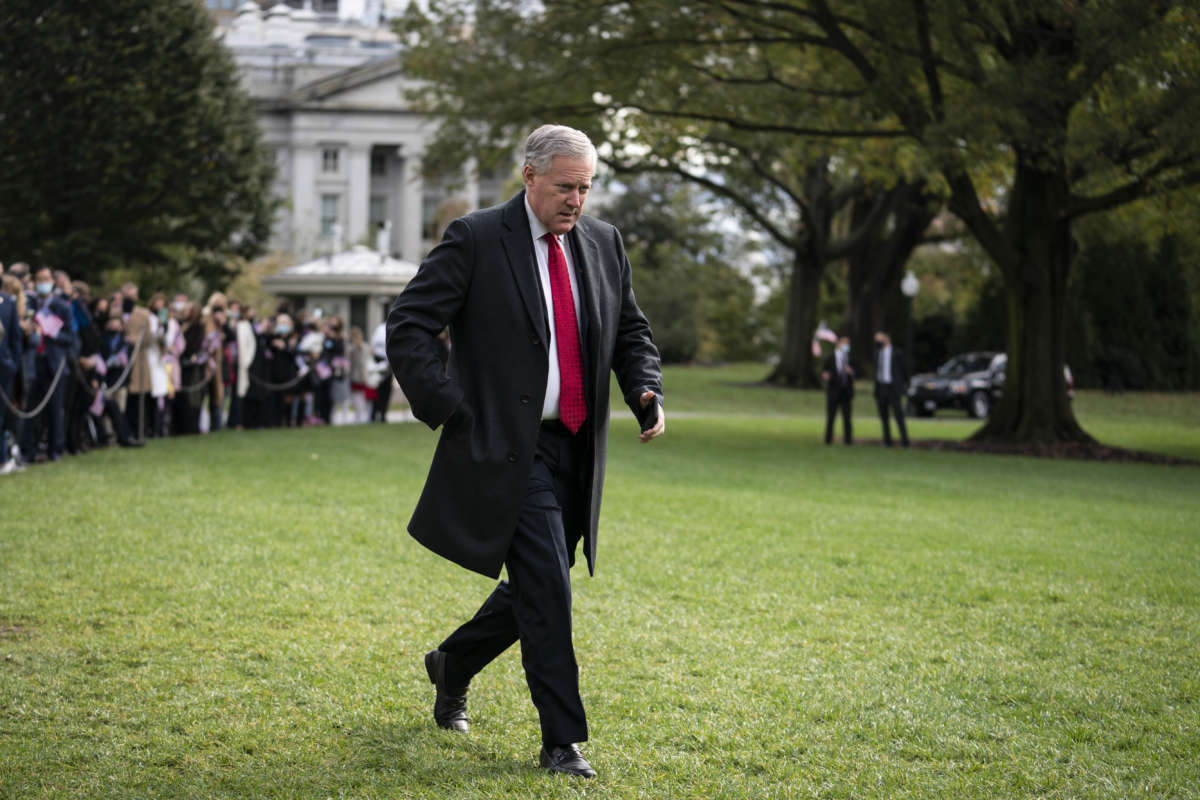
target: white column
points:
(306, 219)
(374, 315)
(471, 187)
(358, 194)
(411, 186)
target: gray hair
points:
(549, 141)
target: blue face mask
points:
(283, 330)
(44, 289)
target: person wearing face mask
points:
(890, 382)
(87, 344)
(245, 349)
(838, 374)
(282, 371)
(141, 335)
(54, 342)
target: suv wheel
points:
(980, 404)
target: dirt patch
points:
(1071, 450)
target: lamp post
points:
(909, 286)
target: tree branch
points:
(964, 203)
(1144, 186)
(747, 204)
(927, 60)
(741, 124)
(857, 238)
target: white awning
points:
(357, 271)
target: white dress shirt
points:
(885, 365)
(541, 249)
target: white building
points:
(347, 145)
(356, 285)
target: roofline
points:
(351, 78)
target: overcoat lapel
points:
(518, 249)
(587, 262)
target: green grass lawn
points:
(243, 615)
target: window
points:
(378, 163)
(330, 207)
(378, 211)
(331, 160)
(358, 313)
(429, 216)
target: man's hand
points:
(660, 427)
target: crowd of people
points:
(80, 371)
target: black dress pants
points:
(52, 419)
(887, 399)
(534, 605)
(383, 398)
(834, 401)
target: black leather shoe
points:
(450, 706)
(567, 760)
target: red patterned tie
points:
(571, 407)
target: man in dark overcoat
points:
(540, 307)
(55, 345)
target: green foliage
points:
(1135, 317)
(700, 305)
(125, 139)
(1027, 115)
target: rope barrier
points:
(108, 390)
(278, 387)
(208, 376)
(137, 346)
(45, 398)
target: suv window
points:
(965, 363)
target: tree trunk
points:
(1034, 408)
(795, 367)
(876, 266)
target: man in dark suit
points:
(10, 362)
(890, 381)
(539, 303)
(54, 344)
(838, 375)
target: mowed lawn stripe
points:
(243, 615)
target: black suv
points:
(965, 381)
(971, 381)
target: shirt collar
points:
(536, 228)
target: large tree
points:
(663, 106)
(125, 138)
(1031, 113)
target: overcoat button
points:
(535, 339)
(524, 399)
(512, 456)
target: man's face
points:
(557, 195)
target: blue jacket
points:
(10, 340)
(63, 344)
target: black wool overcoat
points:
(481, 281)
